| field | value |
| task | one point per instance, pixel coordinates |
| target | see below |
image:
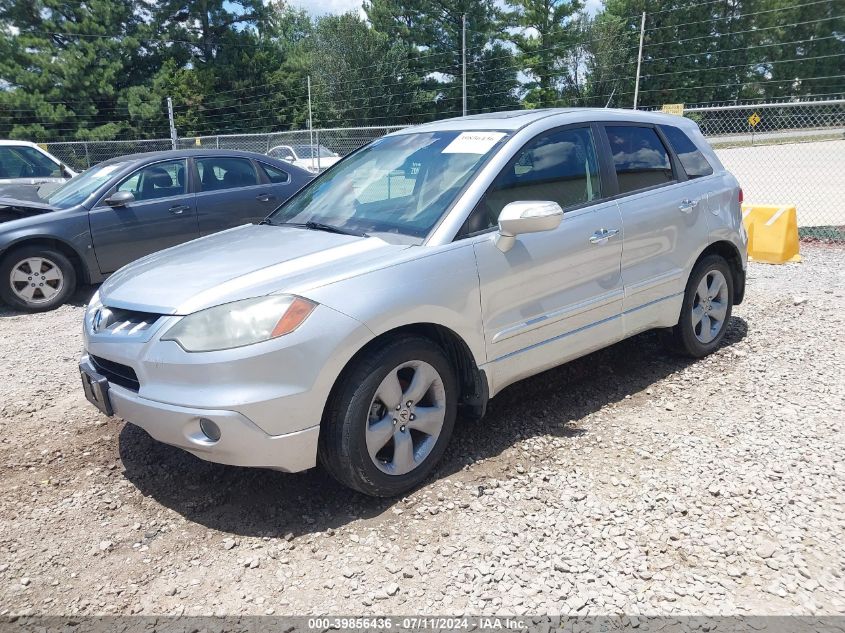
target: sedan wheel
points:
(390, 417)
(36, 278)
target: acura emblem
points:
(101, 319)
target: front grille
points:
(116, 373)
(123, 322)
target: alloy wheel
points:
(710, 306)
(36, 280)
(406, 417)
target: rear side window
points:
(225, 173)
(640, 159)
(690, 156)
(274, 175)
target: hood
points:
(247, 261)
(21, 201)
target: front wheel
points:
(708, 301)
(391, 417)
(36, 279)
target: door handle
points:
(603, 235)
(179, 209)
(688, 205)
(264, 197)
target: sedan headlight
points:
(240, 323)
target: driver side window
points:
(159, 180)
(560, 166)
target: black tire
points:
(54, 258)
(682, 338)
(343, 450)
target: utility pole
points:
(173, 137)
(464, 53)
(310, 123)
(639, 62)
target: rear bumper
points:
(241, 442)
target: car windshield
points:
(311, 151)
(398, 184)
(20, 161)
(76, 190)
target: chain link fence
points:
(80, 155)
(782, 153)
(341, 141)
(785, 154)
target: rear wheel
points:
(708, 302)
(391, 418)
(36, 279)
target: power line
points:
(734, 17)
(730, 33)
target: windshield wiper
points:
(319, 226)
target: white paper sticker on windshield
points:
(473, 143)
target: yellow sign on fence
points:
(754, 119)
(673, 108)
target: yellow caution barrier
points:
(772, 233)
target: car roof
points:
(137, 159)
(183, 153)
(512, 120)
(17, 143)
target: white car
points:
(314, 158)
(25, 163)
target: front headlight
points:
(91, 309)
(240, 323)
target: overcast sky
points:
(319, 7)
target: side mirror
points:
(526, 217)
(288, 159)
(120, 199)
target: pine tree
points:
(546, 40)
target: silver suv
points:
(418, 277)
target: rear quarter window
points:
(692, 159)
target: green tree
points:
(546, 31)
(67, 69)
(431, 32)
(358, 76)
(605, 67)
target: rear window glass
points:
(222, 172)
(690, 156)
(274, 175)
(640, 159)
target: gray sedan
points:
(125, 208)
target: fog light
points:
(210, 429)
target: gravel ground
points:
(629, 481)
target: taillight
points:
(740, 195)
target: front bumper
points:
(267, 399)
(241, 442)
